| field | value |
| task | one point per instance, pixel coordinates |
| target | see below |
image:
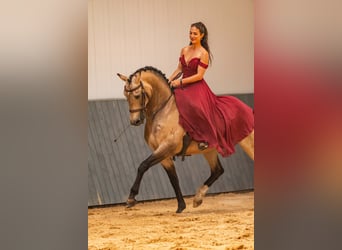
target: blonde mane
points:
(151, 69)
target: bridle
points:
(143, 97)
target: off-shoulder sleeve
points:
(203, 64)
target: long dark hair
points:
(204, 42)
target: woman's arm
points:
(178, 70)
(197, 77)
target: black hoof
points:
(131, 203)
(180, 209)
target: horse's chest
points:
(157, 130)
(157, 133)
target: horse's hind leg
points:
(247, 144)
(171, 172)
(216, 170)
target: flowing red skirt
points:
(222, 121)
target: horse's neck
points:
(161, 95)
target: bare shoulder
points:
(185, 49)
(204, 55)
(204, 52)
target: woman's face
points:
(195, 35)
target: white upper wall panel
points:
(125, 35)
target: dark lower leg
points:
(144, 166)
(201, 192)
(171, 172)
(216, 172)
(135, 188)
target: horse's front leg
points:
(144, 166)
(172, 174)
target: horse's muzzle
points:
(137, 122)
(137, 119)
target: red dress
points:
(222, 121)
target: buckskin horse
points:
(149, 96)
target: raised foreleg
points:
(152, 160)
(216, 171)
(163, 152)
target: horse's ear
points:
(122, 77)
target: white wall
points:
(125, 35)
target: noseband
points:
(143, 97)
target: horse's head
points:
(136, 96)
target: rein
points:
(143, 97)
(168, 99)
(162, 106)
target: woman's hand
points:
(175, 83)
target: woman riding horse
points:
(216, 121)
(211, 124)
